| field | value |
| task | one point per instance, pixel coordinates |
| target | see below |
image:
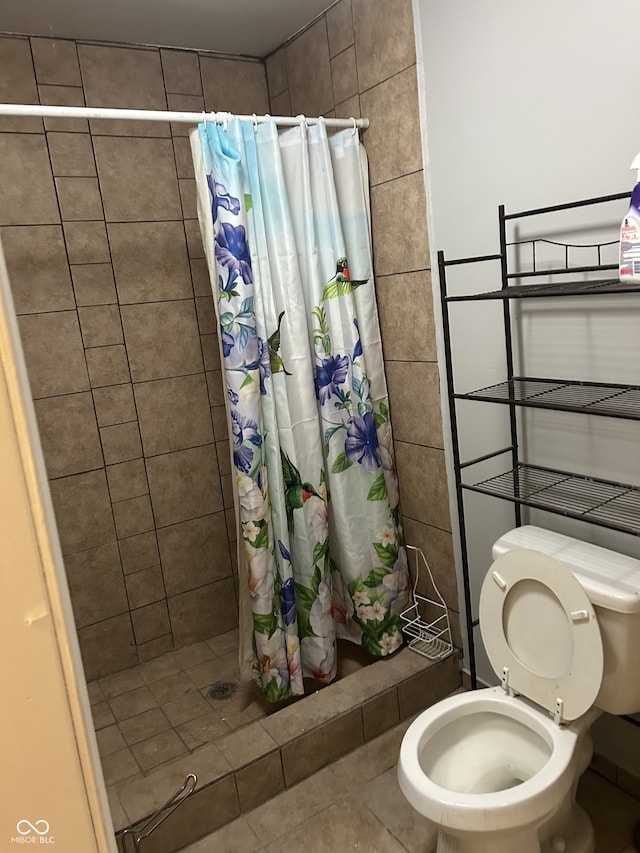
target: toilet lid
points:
(537, 621)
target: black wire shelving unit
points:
(600, 502)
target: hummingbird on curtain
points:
(296, 492)
(342, 282)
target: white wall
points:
(528, 105)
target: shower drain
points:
(222, 689)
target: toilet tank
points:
(612, 582)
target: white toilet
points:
(496, 770)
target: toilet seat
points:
(541, 633)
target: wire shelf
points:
(564, 288)
(600, 502)
(426, 620)
(606, 399)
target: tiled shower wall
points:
(357, 60)
(108, 275)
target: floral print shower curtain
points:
(284, 218)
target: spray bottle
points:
(630, 234)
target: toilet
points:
(496, 770)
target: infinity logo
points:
(32, 827)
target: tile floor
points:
(356, 804)
(158, 711)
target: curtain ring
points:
(204, 119)
(255, 123)
(225, 121)
(355, 126)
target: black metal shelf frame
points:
(601, 502)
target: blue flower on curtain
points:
(361, 443)
(244, 430)
(232, 251)
(330, 373)
(288, 602)
(221, 198)
(227, 342)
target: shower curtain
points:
(284, 220)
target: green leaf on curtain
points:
(248, 202)
(320, 550)
(294, 497)
(247, 380)
(375, 576)
(327, 437)
(383, 410)
(226, 320)
(304, 597)
(379, 419)
(378, 490)
(266, 623)
(262, 539)
(388, 554)
(316, 580)
(340, 463)
(363, 409)
(246, 309)
(273, 693)
(336, 288)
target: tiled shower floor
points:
(160, 710)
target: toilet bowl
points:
(496, 770)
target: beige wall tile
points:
(224, 457)
(63, 96)
(259, 781)
(235, 85)
(194, 553)
(215, 387)
(173, 413)
(187, 188)
(108, 365)
(207, 323)
(219, 418)
(133, 516)
(38, 268)
(79, 198)
(184, 485)
(380, 714)
(28, 196)
(137, 178)
(414, 396)
(384, 38)
(126, 78)
(71, 155)
(200, 277)
(100, 325)
(345, 76)
(276, 72)
(139, 552)
(339, 27)
(210, 352)
(321, 746)
(69, 434)
(405, 308)
(349, 108)
(309, 71)
(428, 687)
(96, 584)
(53, 353)
(437, 546)
(83, 511)
(93, 284)
(86, 242)
(281, 104)
(150, 261)
(18, 84)
(181, 72)
(56, 61)
(184, 160)
(114, 405)
(107, 646)
(399, 225)
(151, 332)
(120, 443)
(150, 622)
(393, 103)
(127, 480)
(144, 587)
(423, 484)
(187, 104)
(199, 613)
(194, 239)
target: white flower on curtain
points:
(312, 447)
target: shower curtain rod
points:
(166, 115)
